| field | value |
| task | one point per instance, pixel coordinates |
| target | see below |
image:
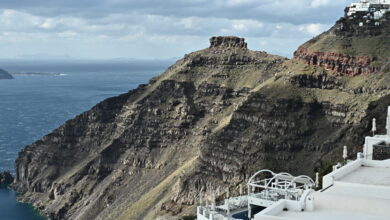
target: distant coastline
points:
(37, 74)
(5, 75)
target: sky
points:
(156, 29)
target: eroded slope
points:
(207, 123)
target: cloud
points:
(319, 3)
(313, 29)
(239, 2)
(158, 29)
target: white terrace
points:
(265, 188)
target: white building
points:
(359, 190)
(375, 8)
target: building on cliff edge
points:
(355, 190)
(368, 10)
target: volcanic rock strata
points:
(207, 123)
(355, 45)
(228, 42)
(342, 64)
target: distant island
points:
(5, 75)
(37, 74)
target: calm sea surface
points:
(32, 106)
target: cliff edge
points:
(358, 44)
(207, 123)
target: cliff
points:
(5, 75)
(353, 46)
(208, 122)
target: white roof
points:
(374, 176)
(363, 194)
(327, 215)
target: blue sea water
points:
(32, 106)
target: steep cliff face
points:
(342, 64)
(124, 155)
(353, 46)
(5, 75)
(208, 122)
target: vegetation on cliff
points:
(207, 123)
(349, 48)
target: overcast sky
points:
(156, 29)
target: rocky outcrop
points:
(355, 45)
(228, 42)
(5, 75)
(132, 152)
(207, 123)
(321, 81)
(339, 63)
(6, 178)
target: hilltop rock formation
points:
(209, 122)
(228, 42)
(5, 75)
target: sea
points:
(45, 94)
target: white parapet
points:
(328, 180)
(388, 122)
(306, 202)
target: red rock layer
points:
(337, 62)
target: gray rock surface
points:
(207, 123)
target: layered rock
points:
(127, 152)
(321, 81)
(342, 64)
(228, 42)
(207, 123)
(355, 45)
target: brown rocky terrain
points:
(207, 123)
(342, 64)
(349, 48)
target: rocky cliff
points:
(5, 75)
(208, 122)
(342, 64)
(353, 46)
